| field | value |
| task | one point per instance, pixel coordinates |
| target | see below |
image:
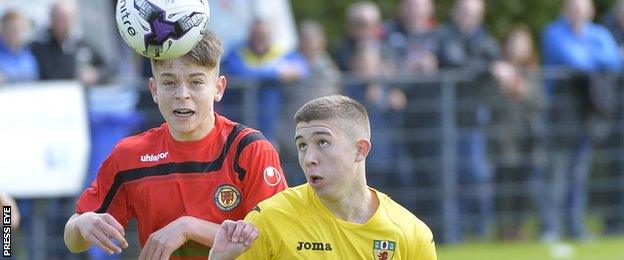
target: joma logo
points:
(314, 246)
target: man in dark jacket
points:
(63, 55)
(467, 46)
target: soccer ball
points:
(162, 29)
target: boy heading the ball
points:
(179, 179)
(335, 215)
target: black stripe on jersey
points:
(169, 168)
(248, 139)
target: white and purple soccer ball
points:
(162, 29)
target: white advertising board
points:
(44, 139)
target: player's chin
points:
(184, 127)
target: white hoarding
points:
(44, 139)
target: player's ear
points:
(363, 146)
(153, 90)
(220, 86)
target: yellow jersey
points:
(294, 224)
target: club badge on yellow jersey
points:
(227, 197)
(383, 249)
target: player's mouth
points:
(315, 180)
(183, 112)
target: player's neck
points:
(358, 206)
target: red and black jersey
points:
(156, 179)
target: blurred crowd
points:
(379, 62)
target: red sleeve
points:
(264, 175)
(93, 198)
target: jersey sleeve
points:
(264, 176)
(100, 198)
(423, 238)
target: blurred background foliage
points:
(500, 14)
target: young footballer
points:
(179, 179)
(335, 215)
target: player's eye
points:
(168, 83)
(323, 143)
(302, 146)
(197, 82)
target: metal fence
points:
(461, 138)
(463, 156)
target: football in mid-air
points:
(162, 29)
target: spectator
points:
(363, 26)
(575, 42)
(324, 80)
(62, 54)
(312, 45)
(520, 144)
(412, 38)
(57, 55)
(467, 46)
(464, 41)
(412, 42)
(386, 107)
(264, 61)
(17, 62)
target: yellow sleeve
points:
(426, 244)
(261, 248)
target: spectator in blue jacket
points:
(262, 60)
(573, 41)
(17, 63)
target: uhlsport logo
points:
(154, 157)
(227, 197)
(272, 176)
(383, 249)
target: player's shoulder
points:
(415, 232)
(288, 204)
(290, 201)
(246, 137)
(403, 218)
(140, 141)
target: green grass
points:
(600, 248)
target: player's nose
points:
(310, 157)
(182, 92)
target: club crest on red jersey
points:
(272, 176)
(227, 197)
(383, 249)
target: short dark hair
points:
(343, 108)
(206, 53)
